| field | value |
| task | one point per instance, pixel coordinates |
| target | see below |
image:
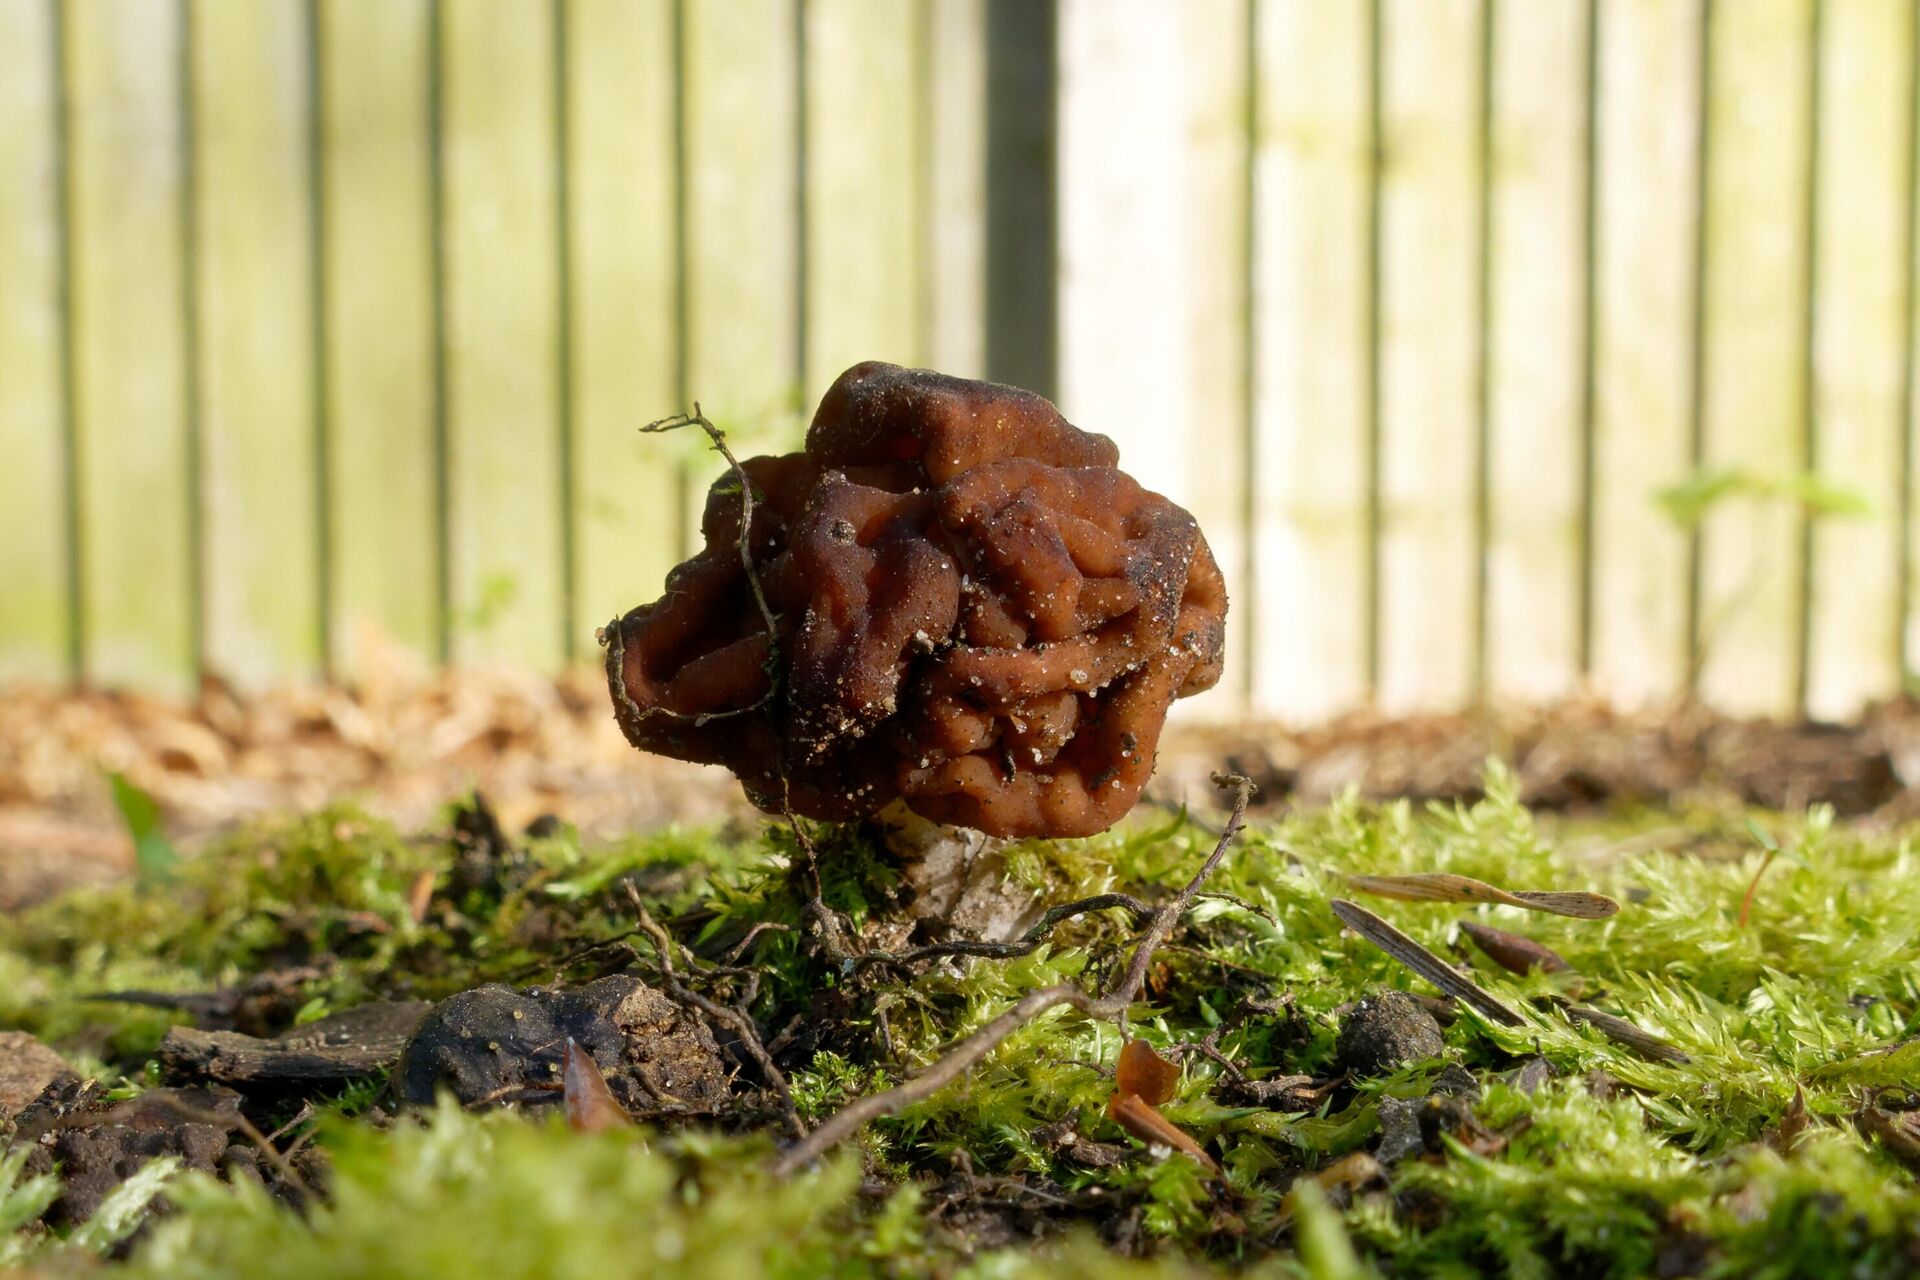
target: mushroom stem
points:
(958, 876)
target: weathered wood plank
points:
(33, 544)
(1427, 548)
(1857, 359)
(134, 455)
(1311, 377)
(259, 479)
(1648, 59)
(863, 278)
(1536, 340)
(1755, 353)
(626, 354)
(379, 338)
(1124, 359)
(1215, 404)
(742, 226)
(954, 80)
(504, 432)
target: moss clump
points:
(1743, 1160)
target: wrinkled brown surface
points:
(976, 612)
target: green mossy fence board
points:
(1535, 344)
(1429, 260)
(1756, 348)
(743, 222)
(135, 449)
(1856, 560)
(954, 156)
(1217, 432)
(1645, 173)
(380, 332)
(33, 520)
(377, 373)
(863, 278)
(1310, 286)
(504, 430)
(626, 357)
(259, 477)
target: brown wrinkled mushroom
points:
(975, 612)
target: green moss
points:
(1810, 996)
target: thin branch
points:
(611, 634)
(850, 1119)
(740, 1024)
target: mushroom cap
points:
(976, 612)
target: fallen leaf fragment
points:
(1422, 961)
(1145, 1074)
(1440, 886)
(1620, 1031)
(591, 1106)
(1512, 951)
(1142, 1080)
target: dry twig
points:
(733, 1019)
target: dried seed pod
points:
(1511, 951)
(1440, 886)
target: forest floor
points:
(248, 1074)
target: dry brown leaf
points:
(1440, 886)
(591, 1106)
(1142, 1081)
(1145, 1074)
(1139, 1119)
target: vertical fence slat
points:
(379, 315)
(33, 558)
(742, 249)
(255, 351)
(1538, 254)
(1426, 470)
(1215, 246)
(1855, 588)
(954, 57)
(134, 455)
(1124, 361)
(863, 276)
(1309, 293)
(1647, 66)
(626, 349)
(504, 435)
(1755, 351)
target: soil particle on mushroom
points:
(1384, 1031)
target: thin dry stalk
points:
(1422, 961)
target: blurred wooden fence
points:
(321, 314)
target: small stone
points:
(27, 1067)
(1399, 1131)
(1386, 1030)
(495, 1045)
